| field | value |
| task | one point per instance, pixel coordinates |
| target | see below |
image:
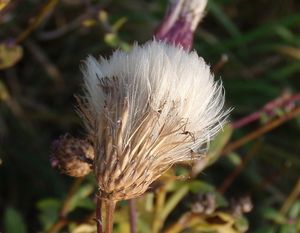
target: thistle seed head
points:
(72, 156)
(145, 111)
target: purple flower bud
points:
(180, 22)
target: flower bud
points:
(180, 22)
(72, 156)
(205, 203)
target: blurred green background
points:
(42, 46)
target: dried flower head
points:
(146, 110)
(72, 156)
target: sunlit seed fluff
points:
(146, 110)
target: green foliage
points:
(9, 55)
(13, 221)
(48, 211)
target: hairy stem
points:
(98, 215)
(110, 209)
(132, 216)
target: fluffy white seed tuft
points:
(146, 110)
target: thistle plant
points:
(144, 111)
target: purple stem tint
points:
(98, 215)
(282, 101)
(132, 216)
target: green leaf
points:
(173, 201)
(79, 197)
(215, 149)
(200, 186)
(241, 224)
(290, 51)
(262, 31)
(288, 229)
(266, 229)
(234, 158)
(4, 95)
(119, 23)
(295, 210)
(203, 187)
(220, 200)
(86, 203)
(49, 209)
(13, 221)
(112, 39)
(223, 19)
(219, 142)
(9, 55)
(274, 215)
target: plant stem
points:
(160, 202)
(262, 130)
(38, 19)
(291, 198)
(110, 209)
(98, 215)
(68, 200)
(238, 169)
(218, 66)
(182, 222)
(58, 225)
(282, 101)
(132, 216)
